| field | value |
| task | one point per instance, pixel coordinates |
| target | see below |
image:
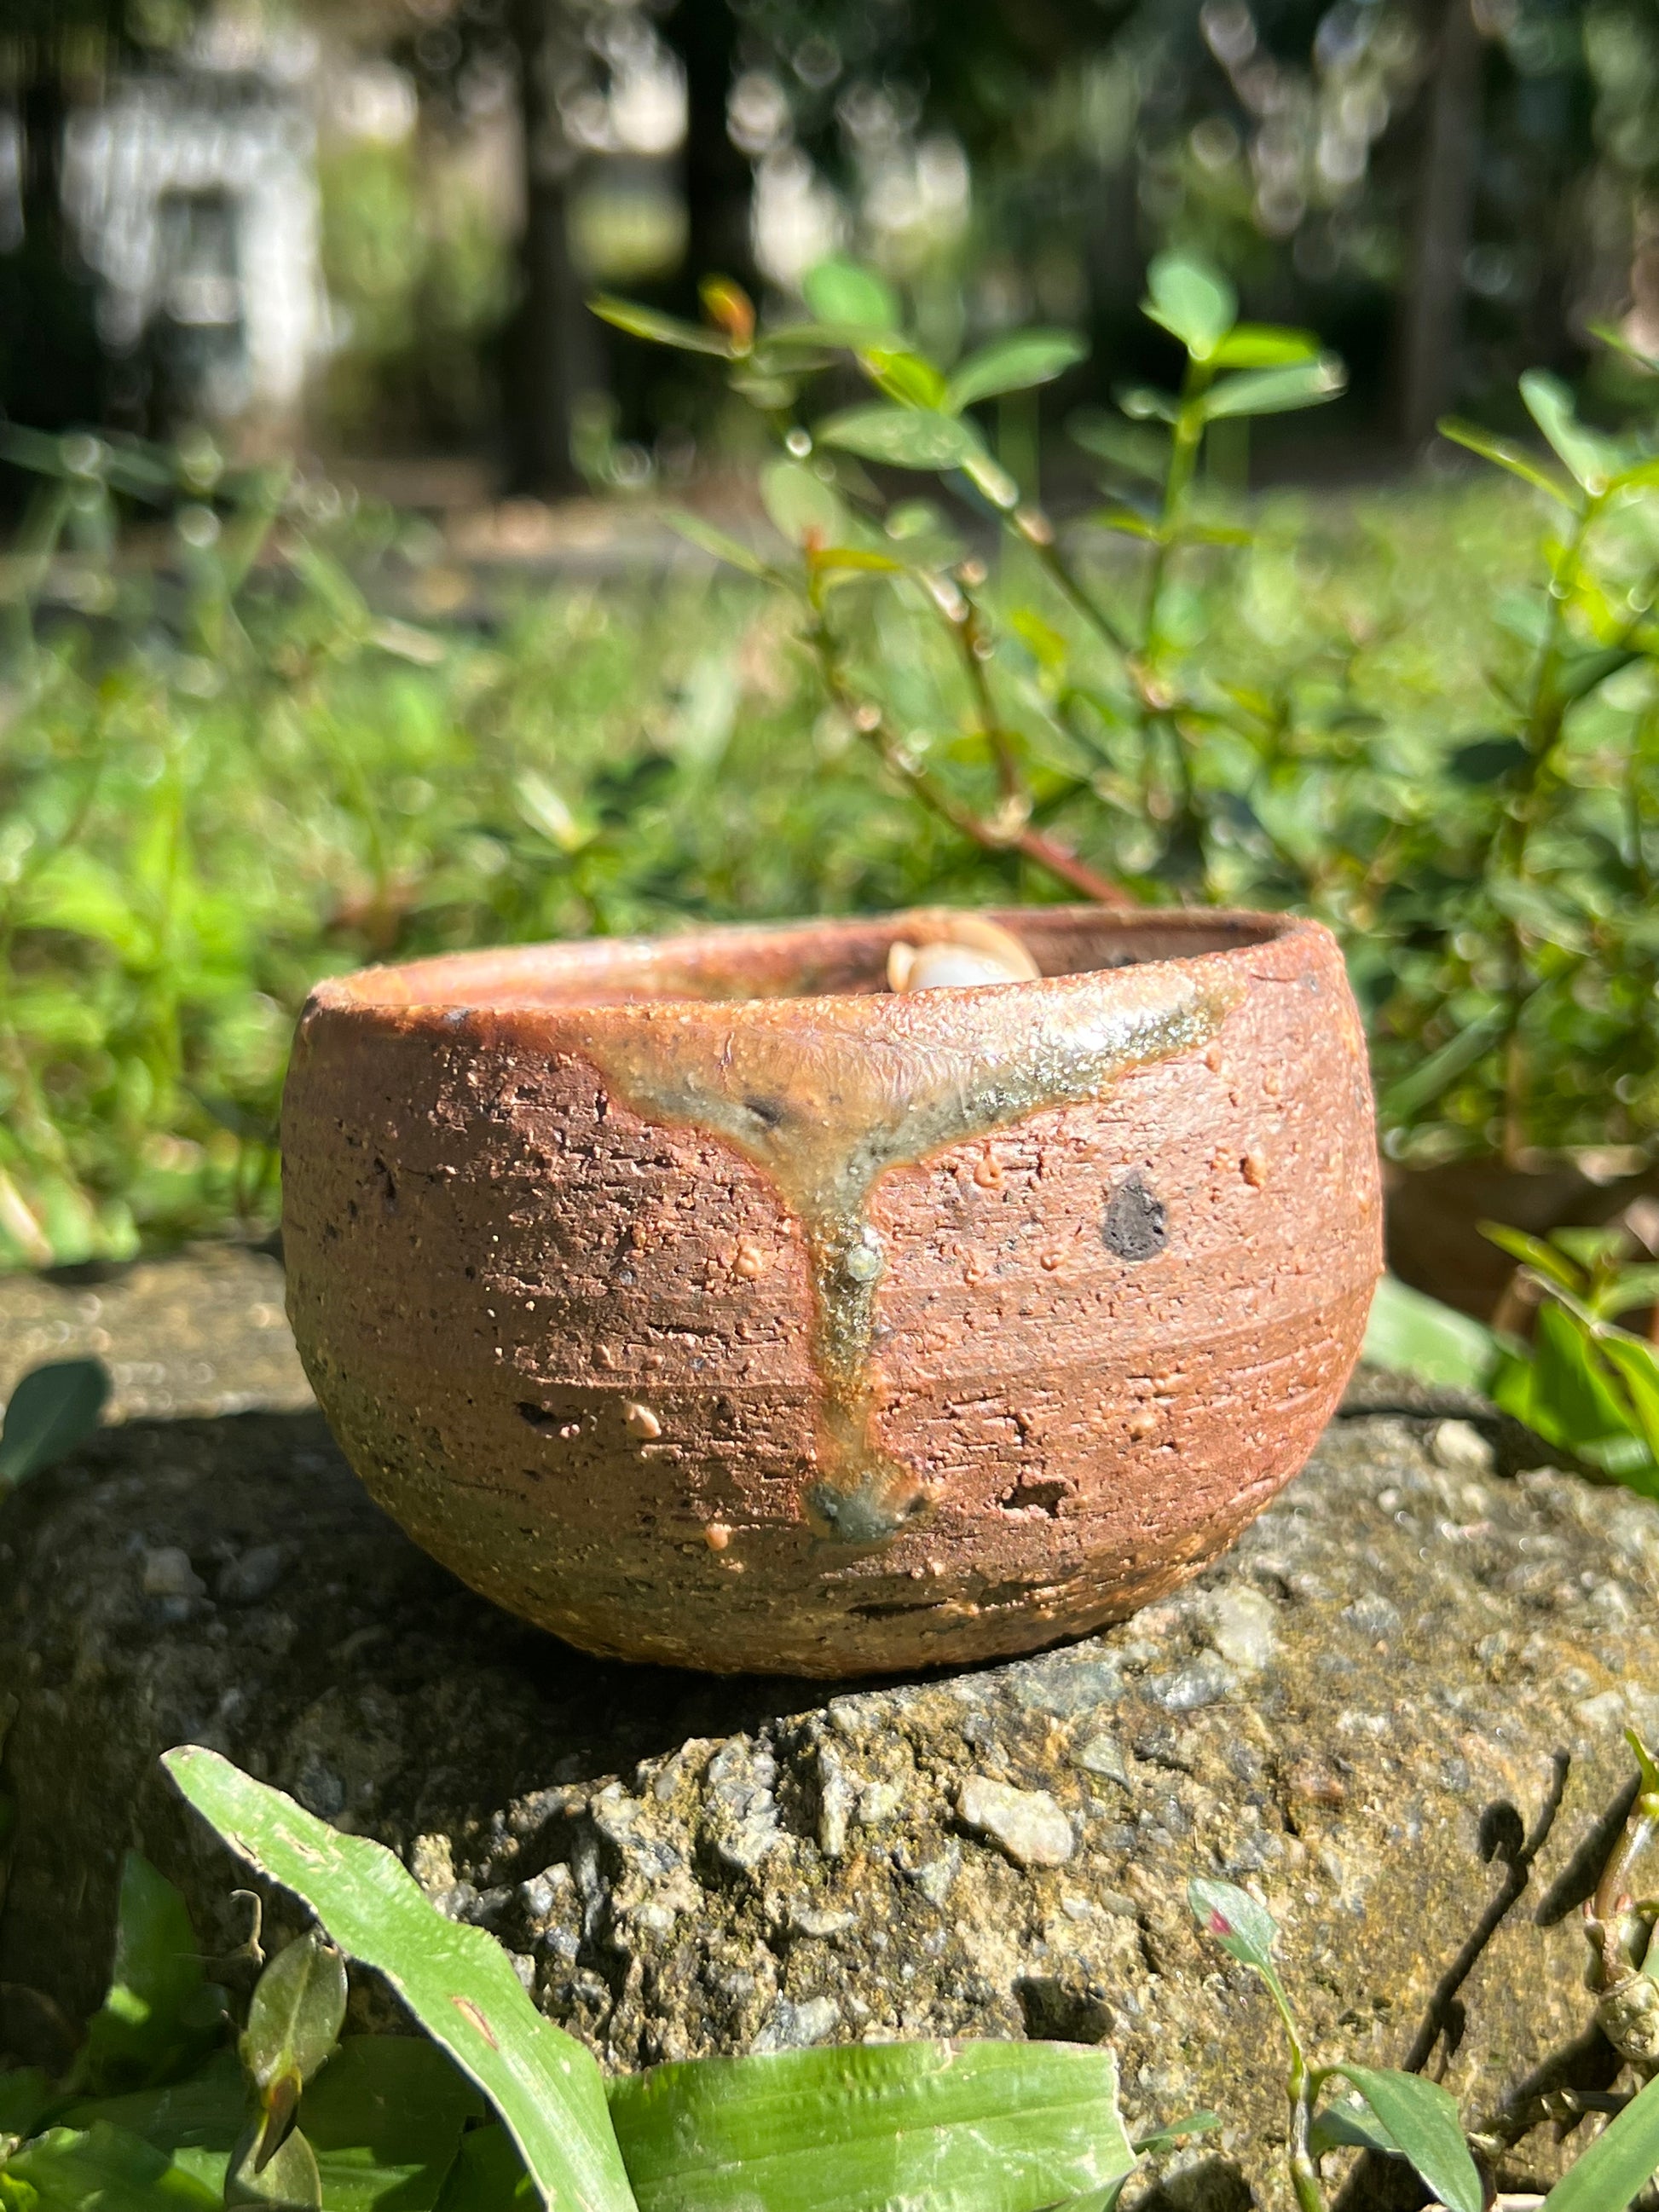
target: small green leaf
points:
(1105, 2199)
(969, 2127)
(903, 375)
(704, 535)
(1244, 1927)
(1175, 2132)
(544, 807)
(334, 587)
(1124, 446)
(159, 2011)
(780, 342)
(771, 393)
(1486, 760)
(1637, 476)
(1276, 391)
(295, 2016)
(1647, 1769)
(1505, 456)
(990, 477)
(1610, 335)
(1637, 1369)
(1216, 533)
(1524, 615)
(285, 2180)
(1264, 345)
(1571, 1396)
(456, 1980)
(849, 560)
(1126, 521)
(903, 437)
(1579, 674)
(1349, 2127)
(1141, 403)
(1623, 2156)
(841, 292)
(1593, 459)
(1191, 301)
(1412, 1334)
(1422, 2119)
(384, 2119)
(488, 2176)
(51, 1414)
(1015, 364)
(1441, 1069)
(1590, 1248)
(1635, 1286)
(26, 2097)
(662, 330)
(802, 507)
(104, 2169)
(206, 2111)
(1532, 1252)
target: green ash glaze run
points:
(824, 1110)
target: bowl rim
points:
(449, 987)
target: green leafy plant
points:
(257, 734)
(51, 1412)
(843, 536)
(1580, 1380)
(496, 2109)
(1554, 923)
(1492, 885)
(1409, 1333)
(1405, 2116)
(458, 1981)
(297, 2119)
(1583, 1381)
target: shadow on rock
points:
(1214, 2186)
(229, 1582)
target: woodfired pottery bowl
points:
(705, 1301)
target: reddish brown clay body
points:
(705, 1301)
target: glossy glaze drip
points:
(824, 1110)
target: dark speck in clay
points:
(1137, 1224)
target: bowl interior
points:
(792, 960)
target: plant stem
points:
(1609, 1903)
(872, 725)
(1033, 528)
(1635, 821)
(972, 640)
(1186, 437)
(1301, 2089)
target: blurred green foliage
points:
(1490, 877)
(240, 751)
(420, 277)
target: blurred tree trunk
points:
(52, 369)
(1432, 306)
(554, 355)
(703, 34)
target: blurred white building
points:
(193, 195)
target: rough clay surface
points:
(709, 1323)
(1395, 1705)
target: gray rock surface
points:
(1394, 1707)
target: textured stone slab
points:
(1396, 1706)
(206, 1334)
